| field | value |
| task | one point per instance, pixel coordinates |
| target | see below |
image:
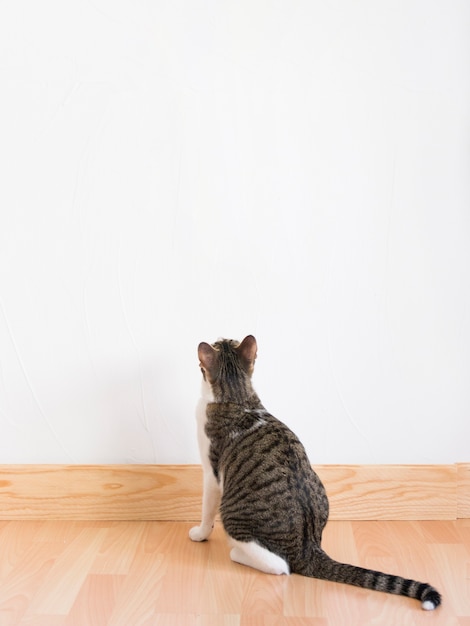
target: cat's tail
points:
(326, 568)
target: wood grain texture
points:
(100, 492)
(373, 492)
(463, 490)
(81, 574)
(173, 492)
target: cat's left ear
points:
(207, 355)
(247, 351)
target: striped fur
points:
(269, 493)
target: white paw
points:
(254, 555)
(199, 533)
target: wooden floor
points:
(55, 573)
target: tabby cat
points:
(273, 505)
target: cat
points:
(273, 505)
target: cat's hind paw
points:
(200, 533)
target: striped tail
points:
(326, 568)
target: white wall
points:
(173, 172)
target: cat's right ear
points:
(248, 349)
(207, 355)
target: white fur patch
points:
(254, 555)
(427, 605)
(199, 533)
(236, 433)
(201, 418)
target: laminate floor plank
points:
(56, 573)
(96, 601)
(61, 585)
(119, 548)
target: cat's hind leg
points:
(252, 554)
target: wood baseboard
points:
(173, 492)
(463, 490)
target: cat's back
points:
(251, 431)
(269, 487)
(260, 454)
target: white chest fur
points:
(201, 418)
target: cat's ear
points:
(207, 355)
(247, 351)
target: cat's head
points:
(227, 366)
